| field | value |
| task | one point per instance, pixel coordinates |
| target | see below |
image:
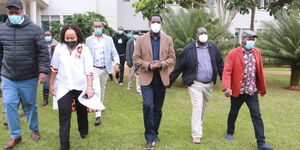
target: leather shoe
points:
(149, 146)
(264, 147)
(98, 121)
(35, 135)
(83, 135)
(12, 143)
(196, 140)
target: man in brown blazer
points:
(153, 54)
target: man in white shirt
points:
(104, 52)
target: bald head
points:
(201, 30)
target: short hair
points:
(77, 30)
(155, 15)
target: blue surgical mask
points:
(135, 36)
(120, 32)
(15, 19)
(250, 44)
(98, 31)
(48, 39)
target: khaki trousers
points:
(102, 74)
(199, 93)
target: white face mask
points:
(155, 27)
(203, 38)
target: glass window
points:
(45, 22)
(55, 19)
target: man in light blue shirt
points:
(104, 52)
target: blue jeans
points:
(15, 92)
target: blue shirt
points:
(155, 47)
(155, 44)
(205, 71)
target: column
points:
(33, 11)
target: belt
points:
(101, 67)
(205, 82)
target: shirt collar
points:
(152, 35)
(198, 46)
(245, 51)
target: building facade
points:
(116, 12)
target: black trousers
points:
(65, 110)
(153, 99)
(253, 105)
(120, 74)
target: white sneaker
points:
(121, 84)
(128, 88)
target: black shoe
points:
(149, 146)
(5, 124)
(45, 97)
(83, 135)
(98, 121)
(156, 141)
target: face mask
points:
(120, 32)
(15, 19)
(250, 44)
(71, 44)
(98, 31)
(203, 38)
(48, 39)
(135, 36)
(155, 27)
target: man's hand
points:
(117, 69)
(89, 92)
(155, 64)
(137, 72)
(228, 92)
(42, 78)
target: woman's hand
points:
(52, 90)
(90, 92)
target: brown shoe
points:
(35, 135)
(12, 143)
(197, 140)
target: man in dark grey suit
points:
(132, 69)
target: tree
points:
(280, 44)
(182, 26)
(149, 7)
(290, 6)
(85, 22)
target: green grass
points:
(122, 126)
(277, 69)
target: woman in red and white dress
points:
(71, 73)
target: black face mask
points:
(71, 44)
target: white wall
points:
(128, 18)
(68, 7)
(243, 21)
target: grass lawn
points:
(277, 69)
(122, 126)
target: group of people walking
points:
(69, 68)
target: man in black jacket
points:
(200, 62)
(120, 40)
(24, 59)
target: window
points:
(45, 22)
(55, 19)
(3, 18)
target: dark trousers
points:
(120, 74)
(253, 105)
(65, 110)
(153, 99)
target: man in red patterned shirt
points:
(243, 78)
